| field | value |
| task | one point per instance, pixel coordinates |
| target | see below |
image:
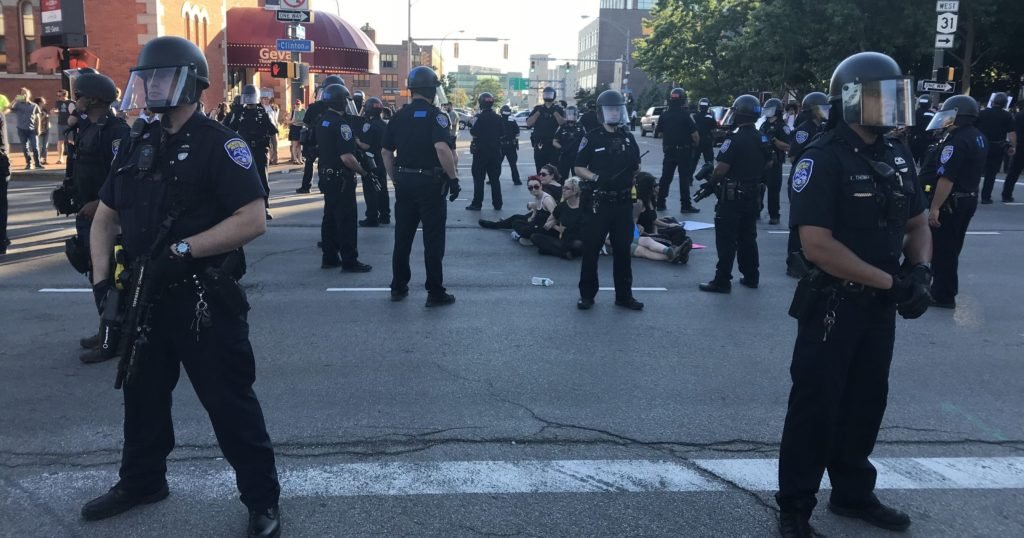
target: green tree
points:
(448, 83)
(491, 86)
(458, 97)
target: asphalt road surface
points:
(510, 413)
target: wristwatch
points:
(182, 249)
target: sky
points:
(532, 26)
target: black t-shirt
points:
(835, 188)
(554, 190)
(212, 171)
(705, 122)
(64, 111)
(487, 131)
(646, 221)
(962, 158)
(546, 124)
(413, 131)
(994, 123)
(676, 126)
(743, 150)
(612, 156)
(335, 137)
(571, 219)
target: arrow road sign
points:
(294, 16)
(936, 86)
(295, 45)
(943, 41)
(946, 23)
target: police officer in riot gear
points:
(920, 138)
(859, 210)
(186, 198)
(233, 111)
(424, 173)
(997, 125)
(510, 142)
(255, 127)
(736, 181)
(961, 162)
(486, 150)
(336, 146)
(375, 185)
(98, 138)
(357, 99)
(310, 121)
(607, 162)
(706, 124)
(814, 109)
(774, 130)
(544, 120)
(567, 140)
(679, 137)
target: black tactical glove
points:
(453, 189)
(911, 291)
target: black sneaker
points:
(517, 182)
(399, 295)
(585, 304)
(265, 523)
(440, 300)
(386, 219)
(327, 262)
(1007, 199)
(795, 525)
(367, 223)
(473, 208)
(748, 282)
(630, 303)
(97, 355)
(716, 287)
(689, 209)
(773, 220)
(489, 224)
(356, 267)
(875, 513)
(986, 201)
(950, 304)
(117, 501)
(302, 190)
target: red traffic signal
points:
(279, 69)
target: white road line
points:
(564, 476)
(982, 233)
(779, 232)
(636, 289)
(65, 290)
(357, 289)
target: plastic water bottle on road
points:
(541, 281)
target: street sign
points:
(947, 6)
(296, 5)
(519, 83)
(300, 31)
(936, 86)
(946, 23)
(295, 45)
(943, 41)
(294, 16)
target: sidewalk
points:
(55, 172)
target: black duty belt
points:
(964, 195)
(335, 171)
(603, 194)
(420, 171)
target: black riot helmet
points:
(237, 101)
(572, 114)
(611, 108)
(423, 80)
(332, 79)
(816, 104)
(677, 97)
(745, 109)
(924, 102)
(549, 94)
(95, 86)
(485, 101)
(250, 95)
(704, 104)
(358, 98)
(171, 71)
(957, 110)
(871, 91)
(771, 108)
(506, 110)
(336, 96)
(373, 107)
(998, 100)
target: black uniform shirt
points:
(676, 126)
(335, 137)
(803, 134)
(995, 123)
(1018, 121)
(744, 152)
(835, 188)
(254, 126)
(372, 134)
(509, 131)
(612, 156)
(569, 135)
(413, 131)
(922, 117)
(774, 130)
(487, 130)
(95, 149)
(589, 121)
(705, 122)
(962, 158)
(546, 124)
(212, 173)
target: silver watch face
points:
(181, 248)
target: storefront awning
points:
(338, 47)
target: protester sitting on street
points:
(567, 221)
(550, 180)
(663, 229)
(524, 226)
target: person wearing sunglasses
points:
(567, 221)
(550, 180)
(524, 226)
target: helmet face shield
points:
(159, 88)
(821, 111)
(548, 95)
(768, 112)
(250, 98)
(440, 98)
(570, 113)
(612, 115)
(942, 120)
(879, 103)
(1003, 100)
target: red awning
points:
(338, 47)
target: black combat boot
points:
(265, 523)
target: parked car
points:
(520, 118)
(464, 116)
(649, 122)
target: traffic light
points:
(506, 51)
(533, 65)
(567, 68)
(279, 69)
(945, 73)
(456, 50)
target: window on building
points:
(206, 24)
(389, 81)
(28, 35)
(195, 25)
(3, 45)
(388, 61)
(361, 81)
(645, 4)
(188, 27)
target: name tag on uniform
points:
(598, 149)
(419, 114)
(861, 177)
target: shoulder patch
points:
(239, 152)
(366, 127)
(583, 143)
(947, 153)
(802, 174)
(114, 146)
(346, 132)
(725, 145)
(419, 114)
(801, 137)
(442, 120)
